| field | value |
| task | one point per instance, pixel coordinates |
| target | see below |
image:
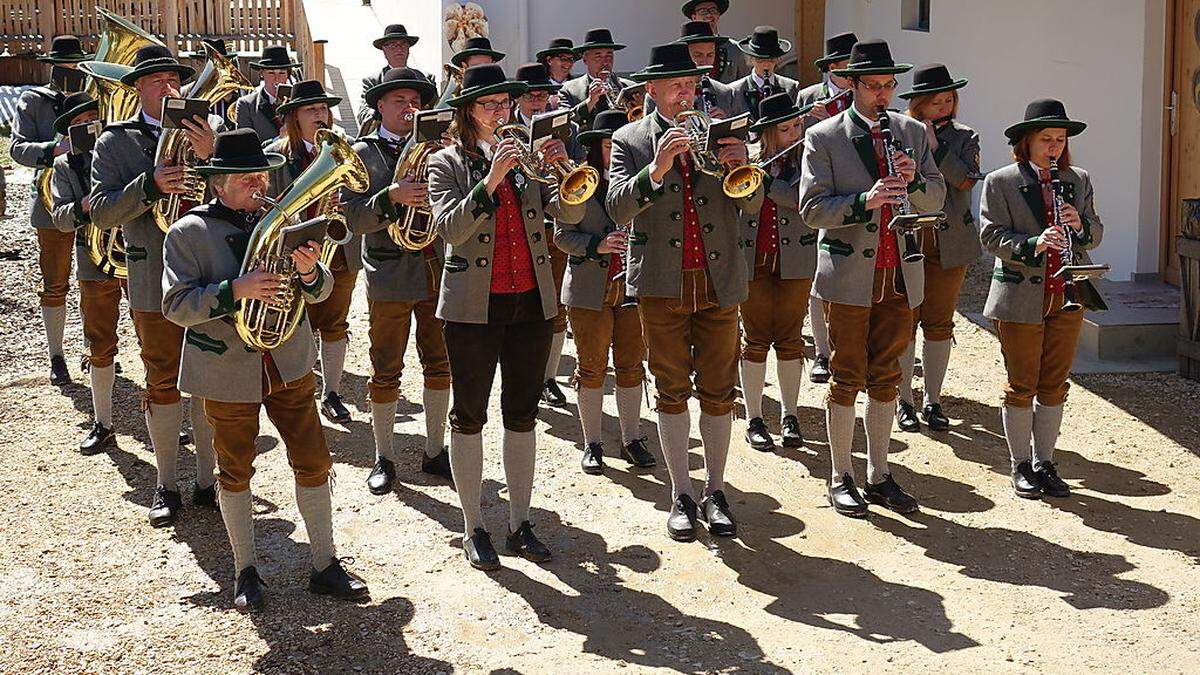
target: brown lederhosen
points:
(773, 313)
(691, 334)
(866, 342)
(161, 346)
(54, 258)
(329, 317)
(935, 316)
(1038, 356)
(390, 322)
(558, 267)
(292, 410)
(100, 305)
(596, 330)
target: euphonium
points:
(119, 42)
(44, 177)
(339, 233)
(106, 250)
(263, 325)
(414, 230)
(576, 183)
(219, 78)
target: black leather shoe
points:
(553, 395)
(99, 439)
(185, 437)
(333, 408)
(636, 453)
(479, 551)
(247, 593)
(1025, 481)
(820, 370)
(593, 459)
(906, 417)
(716, 513)
(337, 582)
(758, 437)
(1052, 485)
(889, 494)
(681, 524)
(379, 482)
(845, 499)
(525, 544)
(59, 375)
(205, 497)
(790, 428)
(438, 465)
(935, 418)
(165, 508)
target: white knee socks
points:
(162, 422)
(673, 432)
(1018, 429)
(333, 362)
(237, 510)
(878, 423)
(520, 456)
(102, 389)
(1047, 419)
(935, 359)
(714, 434)
(816, 322)
(629, 413)
(316, 508)
(556, 348)
(383, 420)
(591, 413)
(466, 461)
(202, 442)
(54, 319)
(436, 403)
(790, 373)
(753, 377)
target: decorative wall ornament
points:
(462, 21)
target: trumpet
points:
(738, 182)
(614, 96)
(904, 220)
(576, 183)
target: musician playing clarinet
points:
(850, 189)
(1037, 216)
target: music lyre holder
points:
(1082, 272)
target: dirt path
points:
(976, 581)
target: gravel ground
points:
(1106, 580)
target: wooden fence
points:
(27, 26)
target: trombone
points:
(576, 183)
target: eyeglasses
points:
(536, 96)
(564, 57)
(493, 106)
(876, 87)
(707, 11)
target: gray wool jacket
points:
(797, 242)
(33, 140)
(574, 95)
(69, 188)
(837, 171)
(586, 279)
(252, 113)
(746, 95)
(203, 254)
(957, 156)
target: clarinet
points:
(1066, 255)
(912, 249)
(627, 300)
(707, 96)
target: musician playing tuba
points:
(204, 285)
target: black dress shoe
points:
(906, 417)
(165, 508)
(820, 370)
(716, 513)
(247, 593)
(553, 395)
(593, 459)
(1052, 485)
(479, 551)
(790, 427)
(337, 582)
(99, 439)
(59, 375)
(185, 437)
(636, 453)
(758, 437)
(205, 497)
(1025, 481)
(333, 408)
(845, 499)
(681, 524)
(935, 418)
(889, 494)
(379, 482)
(525, 544)
(438, 465)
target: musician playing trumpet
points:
(1029, 299)
(402, 284)
(850, 188)
(596, 89)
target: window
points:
(914, 15)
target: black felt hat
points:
(240, 151)
(689, 6)
(72, 106)
(65, 49)
(931, 79)
(604, 126)
(536, 77)
(1045, 113)
(306, 93)
(156, 59)
(275, 57)
(476, 46)
(837, 48)
(484, 80)
(765, 43)
(777, 109)
(395, 31)
(216, 43)
(401, 78)
(598, 38)
(699, 31)
(871, 57)
(669, 60)
(560, 45)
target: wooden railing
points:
(27, 26)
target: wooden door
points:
(1181, 128)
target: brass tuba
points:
(219, 78)
(576, 182)
(263, 325)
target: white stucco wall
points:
(1103, 58)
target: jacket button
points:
(481, 262)
(783, 221)
(674, 187)
(1035, 280)
(868, 253)
(785, 241)
(604, 263)
(675, 243)
(541, 259)
(753, 223)
(713, 255)
(485, 238)
(536, 236)
(530, 213)
(675, 215)
(708, 227)
(701, 200)
(871, 227)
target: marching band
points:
(647, 227)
